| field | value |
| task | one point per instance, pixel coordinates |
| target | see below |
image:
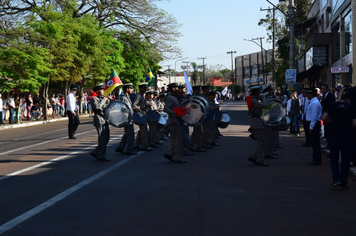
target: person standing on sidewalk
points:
(11, 104)
(305, 103)
(99, 104)
(258, 103)
(326, 100)
(313, 117)
(72, 112)
(341, 116)
(1, 110)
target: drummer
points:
(139, 105)
(272, 135)
(126, 144)
(206, 123)
(258, 103)
(151, 106)
(185, 128)
(160, 107)
(214, 124)
(175, 150)
(99, 103)
(196, 139)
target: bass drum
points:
(205, 102)
(274, 113)
(284, 125)
(118, 114)
(139, 118)
(225, 121)
(195, 111)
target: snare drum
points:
(139, 118)
(224, 122)
(118, 114)
(195, 110)
(162, 120)
(153, 116)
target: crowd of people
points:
(324, 114)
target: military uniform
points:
(206, 124)
(259, 130)
(196, 139)
(126, 144)
(271, 135)
(142, 135)
(160, 108)
(175, 150)
(99, 105)
(152, 137)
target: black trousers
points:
(306, 131)
(73, 123)
(315, 141)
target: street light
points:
(262, 60)
(175, 67)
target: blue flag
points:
(189, 87)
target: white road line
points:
(38, 144)
(50, 161)
(18, 220)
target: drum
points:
(273, 114)
(195, 110)
(218, 115)
(139, 118)
(153, 116)
(118, 114)
(224, 122)
(210, 116)
(205, 102)
(284, 125)
(163, 120)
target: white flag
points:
(224, 91)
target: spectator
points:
(295, 113)
(11, 104)
(85, 103)
(23, 111)
(2, 104)
(288, 110)
(62, 104)
(35, 112)
(29, 103)
(284, 98)
(17, 112)
(326, 99)
(54, 103)
(36, 99)
(342, 118)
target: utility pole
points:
(203, 68)
(291, 18)
(273, 41)
(169, 72)
(232, 73)
(262, 60)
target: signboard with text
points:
(291, 76)
(339, 70)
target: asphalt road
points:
(50, 185)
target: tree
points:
(282, 34)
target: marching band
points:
(159, 116)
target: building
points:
(327, 53)
(249, 69)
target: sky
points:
(211, 28)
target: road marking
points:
(18, 220)
(32, 136)
(38, 144)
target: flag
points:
(224, 91)
(113, 82)
(150, 79)
(189, 87)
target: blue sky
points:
(211, 28)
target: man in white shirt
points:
(72, 112)
(313, 117)
(305, 103)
